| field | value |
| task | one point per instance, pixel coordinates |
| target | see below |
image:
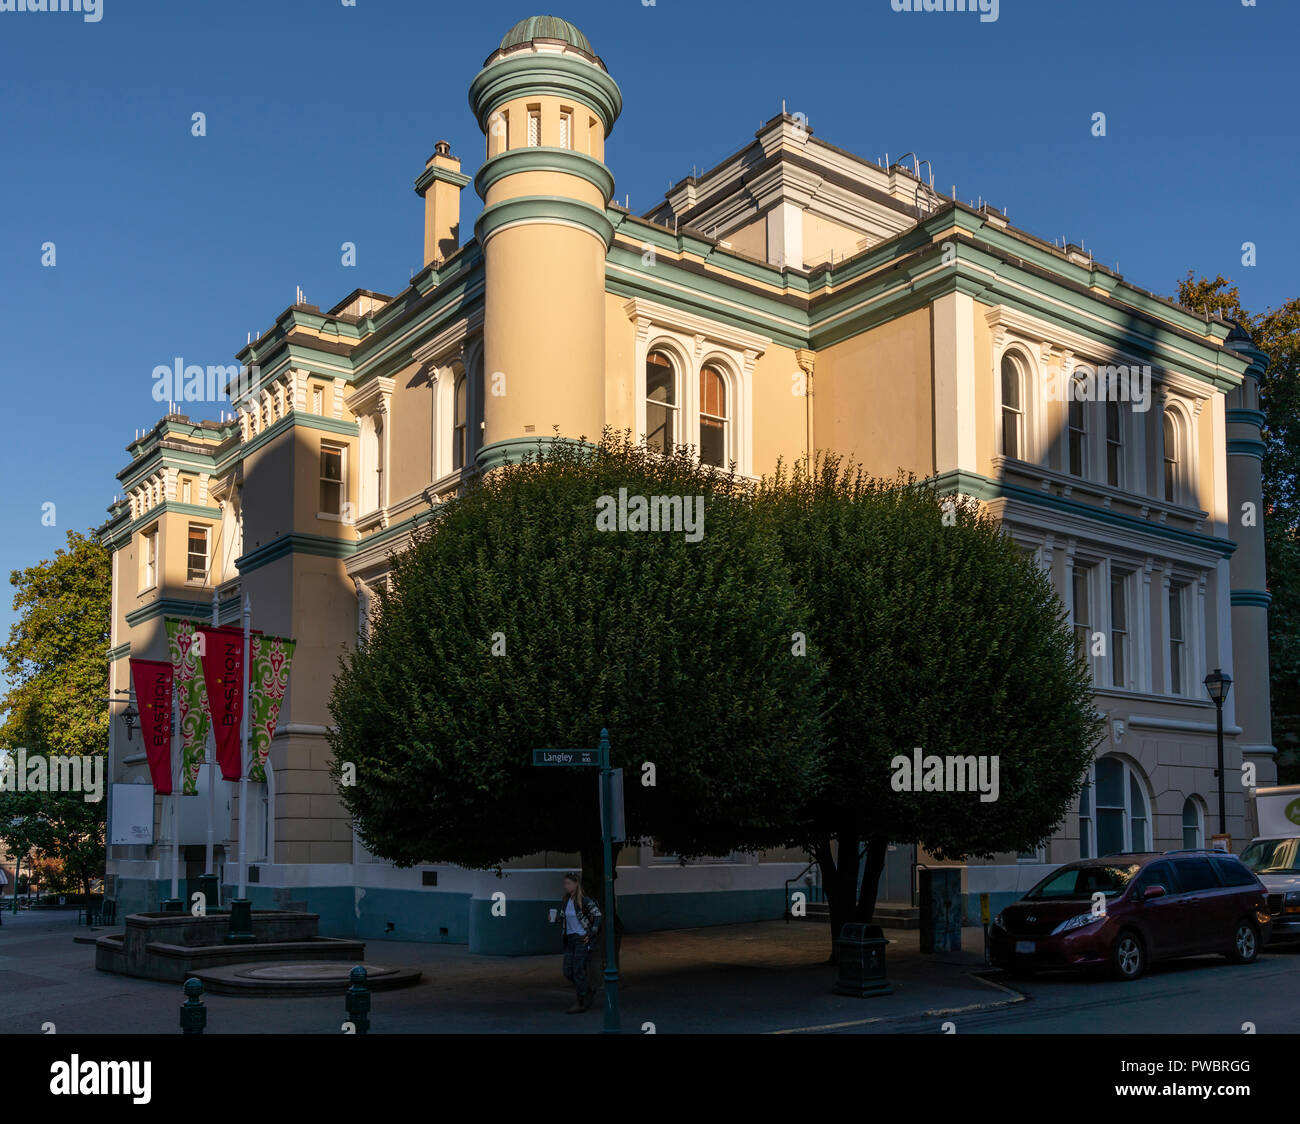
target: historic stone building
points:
(795, 297)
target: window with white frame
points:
(332, 479)
(1193, 824)
(1081, 610)
(1114, 445)
(566, 128)
(1170, 435)
(196, 559)
(185, 491)
(317, 400)
(1120, 586)
(713, 417)
(534, 127)
(460, 424)
(1177, 637)
(149, 558)
(1077, 437)
(661, 400)
(1114, 811)
(1013, 407)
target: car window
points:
(1272, 856)
(1232, 872)
(1083, 882)
(1157, 874)
(1195, 874)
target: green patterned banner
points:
(192, 696)
(271, 657)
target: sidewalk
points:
(763, 977)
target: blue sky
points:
(320, 116)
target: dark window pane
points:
(1195, 874)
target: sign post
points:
(599, 757)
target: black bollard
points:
(358, 1000)
(194, 1014)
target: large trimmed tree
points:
(516, 623)
(938, 633)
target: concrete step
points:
(888, 915)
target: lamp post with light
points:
(1218, 685)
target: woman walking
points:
(582, 919)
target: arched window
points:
(1077, 431)
(1013, 408)
(713, 417)
(1193, 824)
(1113, 815)
(660, 402)
(460, 430)
(1114, 445)
(1169, 432)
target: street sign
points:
(566, 757)
(617, 821)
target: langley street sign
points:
(566, 757)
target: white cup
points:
(553, 915)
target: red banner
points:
(153, 696)
(223, 674)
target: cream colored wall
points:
(411, 437)
(751, 239)
(821, 236)
(872, 397)
(620, 366)
(780, 418)
(586, 139)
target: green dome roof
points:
(546, 27)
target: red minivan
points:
(1126, 911)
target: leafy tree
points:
(514, 623)
(1277, 333)
(55, 665)
(937, 633)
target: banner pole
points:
(209, 858)
(243, 756)
(175, 771)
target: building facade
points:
(796, 297)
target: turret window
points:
(534, 128)
(566, 128)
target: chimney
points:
(440, 186)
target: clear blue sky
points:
(320, 116)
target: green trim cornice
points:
(1251, 598)
(543, 209)
(545, 159)
(319, 545)
(985, 489)
(446, 175)
(171, 607)
(1245, 417)
(1245, 447)
(521, 75)
(115, 654)
(513, 450)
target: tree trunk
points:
(877, 847)
(840, 880)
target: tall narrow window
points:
(1012, 407)
(1085, 818)
(1078, 439)
(1114, 446)
(660, 403)
(196, 562)
(185, 491)
(713, 418)
(317, 401)
(1082, 612)
(149, 547)
(566, 128)
(534, 128)
(331, 480)
(460, 428)
(1193, 828)
(1169, 430)
(1177, 638)
(1119, 630)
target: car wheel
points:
(1128, 959)
(1245, 943)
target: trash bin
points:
(940, 909)
(862, 961)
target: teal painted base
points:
(448, 918)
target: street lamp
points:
(1217, 685)
(130, 716)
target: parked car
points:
(1276, 863)
(1127, 911)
